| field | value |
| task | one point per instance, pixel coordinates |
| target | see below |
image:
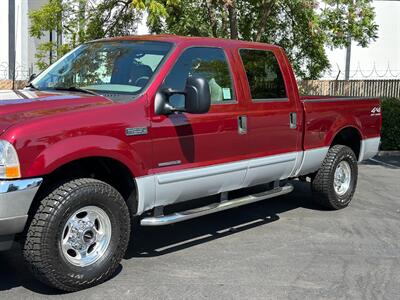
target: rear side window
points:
(206, 62)
(263, 74)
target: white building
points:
(16, 12)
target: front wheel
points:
(335, 182)
(78, 235)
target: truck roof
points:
(178, 39)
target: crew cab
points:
(162, 129)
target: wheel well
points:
(349, 137)
(105, 169)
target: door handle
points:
(242, 124)
(293, 120)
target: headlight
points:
(9, 163)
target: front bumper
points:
(16, 197)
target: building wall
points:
(25, 45)
(32, 42)
(4, 39)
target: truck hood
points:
(20, 106)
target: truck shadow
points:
(157, 241)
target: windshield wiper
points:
(74, 89)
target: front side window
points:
(263, 74)
(120, 67)
(209, 63)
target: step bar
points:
(213, 208)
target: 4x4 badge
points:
(376, 111)
(136, 131)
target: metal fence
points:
(21, 72)
(8, 84)
(361, 88)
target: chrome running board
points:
(209, 209)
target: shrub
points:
(390, 124)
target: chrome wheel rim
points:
(342, 178)
(86, 236)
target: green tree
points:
(77, 21)
(304, 28)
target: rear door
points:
(200, 155)
(273, 115)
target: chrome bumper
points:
(16, 197)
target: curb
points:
(388, 153)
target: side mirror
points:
(197, 98)
(33, 76)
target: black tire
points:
(42, 248)
(324, 193)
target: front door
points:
(199, 155)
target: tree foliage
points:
(304, 28)
(77, 21)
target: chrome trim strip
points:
(194, 213)
(19, 185)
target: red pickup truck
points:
(162, 129)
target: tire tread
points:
(38, 257)
(322, 187)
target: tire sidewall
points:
(81, 197)
(347, 155)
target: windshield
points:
(114, 67)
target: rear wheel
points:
(78, 235)
(335, 182)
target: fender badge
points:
(136, 131)
(376, 111)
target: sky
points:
(385, 50)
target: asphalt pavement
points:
(282, 248)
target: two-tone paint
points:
(185, 156)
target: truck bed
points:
(327, 115)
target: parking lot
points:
(279, 248)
